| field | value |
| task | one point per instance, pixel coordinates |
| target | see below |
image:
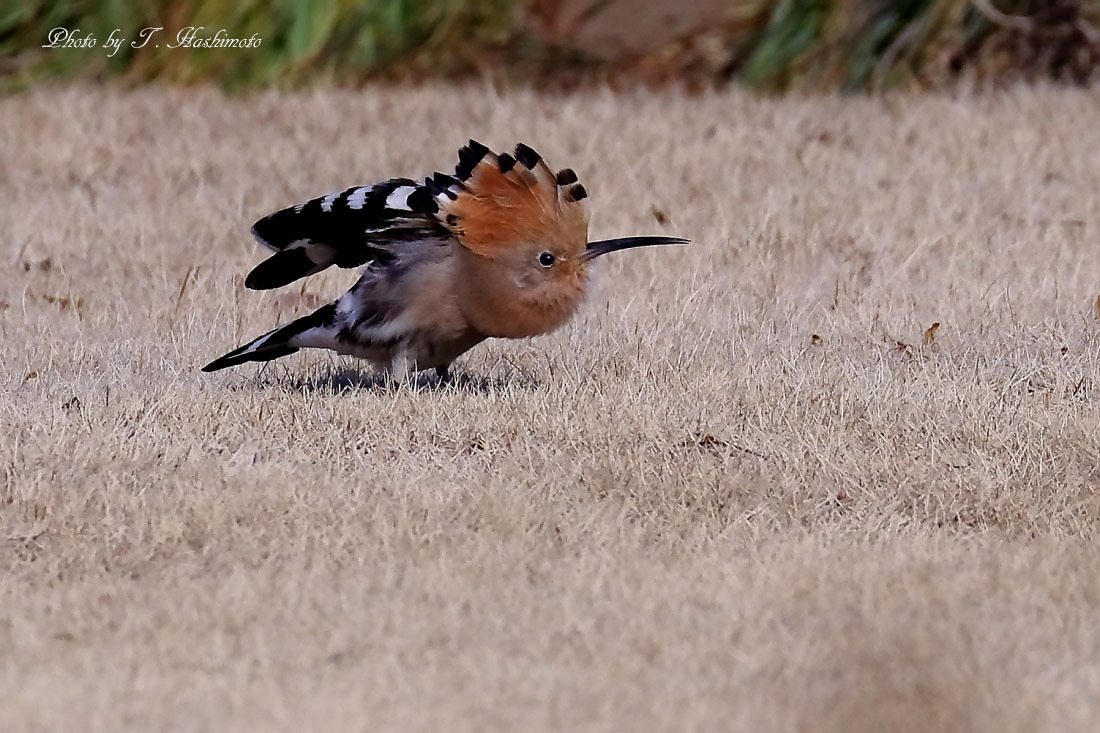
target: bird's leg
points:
(397, 372)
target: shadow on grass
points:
(335, 378)
(349, 379)
(338, 380)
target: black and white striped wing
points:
(348, 229)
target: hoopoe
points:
(499, 250)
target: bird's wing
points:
(347, 228)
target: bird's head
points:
(524, 236)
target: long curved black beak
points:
(602, 247)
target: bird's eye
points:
(546, 259)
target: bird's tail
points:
(274, 344)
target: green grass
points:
(301, 39)
(847, 45)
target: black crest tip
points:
(527, 156)
(566, 176)
(433, 186)
(468, 158)
(474, 149)
(577, 193)
(444, 180)
(506, 162)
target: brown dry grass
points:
(744, 491)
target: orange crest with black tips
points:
(494, 202)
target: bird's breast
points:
(513, 312)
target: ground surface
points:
(744, 491)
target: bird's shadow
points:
(336, 381)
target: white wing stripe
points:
(399, 199)
(358, 197)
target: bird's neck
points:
(495, 305)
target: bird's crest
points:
(494, 201)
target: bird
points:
(498, 250)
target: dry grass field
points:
(747, 489)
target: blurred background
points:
(832, 45)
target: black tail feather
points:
(274, 344)
(243, 355)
